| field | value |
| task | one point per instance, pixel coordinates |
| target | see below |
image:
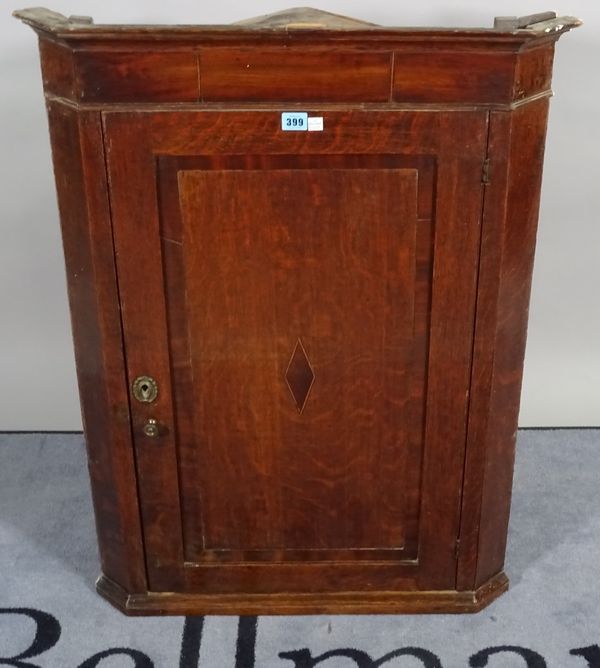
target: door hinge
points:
(485, 172)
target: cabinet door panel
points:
(305, 303)
(300, 287)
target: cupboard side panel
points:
(58, 73)
(93, 299)
(510, 225)
(533, 73)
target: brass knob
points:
(151, 428)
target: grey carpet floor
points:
(51, 617)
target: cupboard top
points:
(301, 24)
(297, 56)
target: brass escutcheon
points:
(145, 389)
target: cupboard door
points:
(305, 304)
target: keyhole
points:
(145, 389)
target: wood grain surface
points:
(325, 257)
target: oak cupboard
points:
(299, 252)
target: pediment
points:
(305, 17)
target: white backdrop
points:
(562, 372)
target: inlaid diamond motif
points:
(299, 376)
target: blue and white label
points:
(294, 121)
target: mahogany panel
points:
(120, 76)
(302, 318)
(453, 77)
(173, 249)
(294, 74)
